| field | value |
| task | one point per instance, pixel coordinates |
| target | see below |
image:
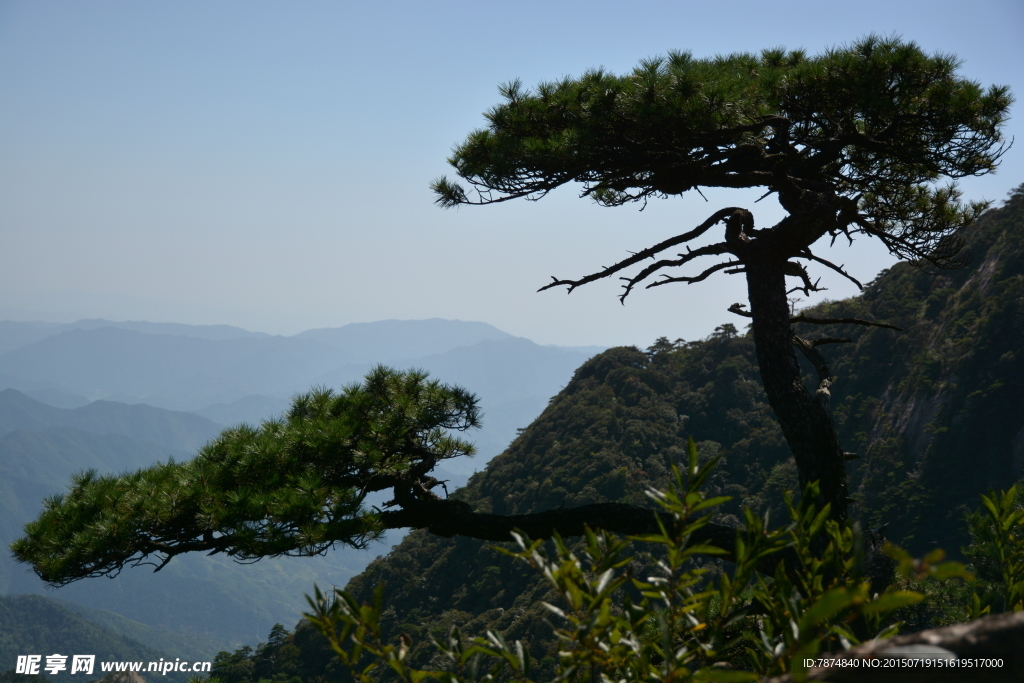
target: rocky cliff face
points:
(936, 413)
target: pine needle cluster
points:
(294, 485)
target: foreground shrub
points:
(678, 624)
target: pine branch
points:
(839, 321)
(697, 278)
(449, 518)
(737, 308)
(828, 340)
(839, 269)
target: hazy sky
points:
(267, 164)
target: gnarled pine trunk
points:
(805, 419)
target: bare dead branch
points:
(737, 308)
(839, 269)
(797, 270)
(829, 340)
(645, 254)
(840, 321)
(823, 394)
(696, 278)
(710, 250)
(813, 355)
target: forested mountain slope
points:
(34, 625)
(936, 414)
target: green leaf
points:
(710, 502)
(704, 549)
(889, 631)
(825, 607)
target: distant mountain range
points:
(178, 431)
(223, 375)
(14, 334)
(229, 375)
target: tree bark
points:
(806, 420)
(456, 518)
(998, 637)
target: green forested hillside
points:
(611, 433)
(34, 625)
(936, 414)
(36, 464)
(170, 643)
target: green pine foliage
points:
(897, 120)
(290, 486)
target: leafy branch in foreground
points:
(673, 626)
(998, 548)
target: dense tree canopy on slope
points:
(852, 141)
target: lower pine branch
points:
(449, 518)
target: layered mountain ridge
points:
(42, 446)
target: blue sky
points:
(267, 164)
